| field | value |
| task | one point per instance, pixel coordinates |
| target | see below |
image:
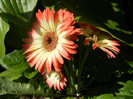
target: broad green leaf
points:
(30, 73)
(14, 60)
(15, 65)
(126, 92)
(20, 14)
(4, 27)
(11, 75)
(17, 11)
(106, 96)
(8, 87)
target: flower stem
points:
(70, 81)
(81, 66)
(80, 50)
(72, 73)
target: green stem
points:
(80, 50)
(81, 66)
(67, 72)
(71, 66)
(69, 79)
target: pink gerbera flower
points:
(55, 79)
(51, 39)
(100, 39)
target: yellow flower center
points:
(50, 41)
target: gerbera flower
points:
(51, 39)
(100, 39)
(56, 79)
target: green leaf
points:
(30, 73)
(17, 11)
(8, 87)
(126, 92)
(106, 96)
(20, 14)
(14, 60)
(15, 65)
(12, 75)
(4, 27)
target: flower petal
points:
(58, 56)
(65, 41)
(109, 53)
(63, 52)
(48, 64)
(56, 64)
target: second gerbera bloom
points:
(100, 39)
(50, 40)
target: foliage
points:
(14, 64)
(4, 27)
(8, 87)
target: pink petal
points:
(32, 62)
(71, 51)
(64, 53)
(47, 14)
(67, 32)
(58, 85)
(59, 16)
(48, 65)
(55, 85)
(42, 64)
(58, 56)
(65, 24)
(109, 53)
(95, 45)
(26, 46)
(61, 85)
(76, 31)
(56, 65)
(115, 43)
(39, 16)
(74, 46)
(33, 54)
(65, 41)
(86, 41)
(67, 14)
(51, 18)
(49, 82)
(114, 49)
